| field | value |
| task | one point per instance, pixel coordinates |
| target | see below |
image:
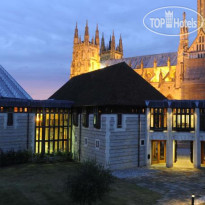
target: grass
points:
(44, 184)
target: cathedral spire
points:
(97, 39)
(86, 37)
(76, 34)
(184, 34)
(113, 42)
(110, 42)
(102, 44)
(120, 44)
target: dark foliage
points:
(90, 183)
(12, 157)
(59, 156)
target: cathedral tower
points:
(201, 11)
(86, 56)
(111, 51)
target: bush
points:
(11, 157)
(90, 183)
(59, 156)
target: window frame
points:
(97, 144)
(158, 116)
(183, 115)
(142, 144)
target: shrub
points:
(90, 183)
(11, 157)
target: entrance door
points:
(203, 152)
(158, 152)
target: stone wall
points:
(17, 136)
(118, 146)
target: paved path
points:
(176, 184)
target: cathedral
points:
(177, 75)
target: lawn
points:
(33, 184)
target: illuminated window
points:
(2, 109)
(52, 131)
(183, 119)
(15, 109)
(158, 119)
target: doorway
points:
(158, 151)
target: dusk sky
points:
(36, 36)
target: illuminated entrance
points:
(52, 131)
(158, 152)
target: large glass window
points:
(158, 119)
(51, 131)
(183, 119)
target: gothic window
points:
(158, 119)
(183, 119)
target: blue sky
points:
(36, 36)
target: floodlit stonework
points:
(88, 54)
(175, 75)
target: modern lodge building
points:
(98, 115)
(121, 115)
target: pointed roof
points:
(9, 88)
(115, 85)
